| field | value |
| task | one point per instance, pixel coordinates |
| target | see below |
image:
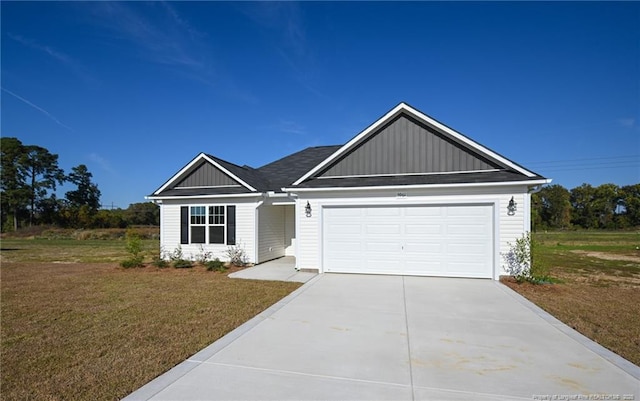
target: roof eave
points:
(541, 181)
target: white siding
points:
(512, 227)
(290, 230)
(271, 232)
(506, 228)
(170, 228)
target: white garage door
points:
(451, 241)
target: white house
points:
(408, 195)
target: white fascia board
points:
(197, 160)
(422, 186)
(227, 172)
(467, 141)
(254, 195)
(426, 119)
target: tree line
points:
(607, 206)
(29, 176)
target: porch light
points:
(307, 210)
(512, 207)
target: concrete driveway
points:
(359, 337)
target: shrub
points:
(178, 260)
(521, 264)
(202, 257)
(182, 263)
(215, 265)
(237, 255)
(134, 248)
(132, 262)
(158, 258)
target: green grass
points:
(67, 250)
(598, 289)
(587, 252)
(73, 329)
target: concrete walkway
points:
(282, 269)
(359, 337)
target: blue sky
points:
(136, 90)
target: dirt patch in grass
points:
(98, 332)
(607, 256)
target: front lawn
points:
(96, 331)
(599, 289)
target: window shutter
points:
(184, 224)
(231, 225)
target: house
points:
(408, 195)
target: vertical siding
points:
(271, 232)
(206, 175)
(170, 231)
(405, 147)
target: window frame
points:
(215, 215)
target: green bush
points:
(182, 264)
(134, 248)
(134, 261)
(215, 265)
(157, 261)
(522, 263)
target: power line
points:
(611, 158)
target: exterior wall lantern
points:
(512, 207)
(307, 210)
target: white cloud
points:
(291, 127)
(101, 162)
(57, 55)
(627, 122)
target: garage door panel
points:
(383, 229)
(346, 229)
(381, 211)
(430, 228)
(454, 241)
(382, 247)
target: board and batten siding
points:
(407, 147)
(271, 232)
(506, 228)
(206, 175)
(170, 229)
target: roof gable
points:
(460, 150)
(206, 175)
(407, 146)
(206, 171)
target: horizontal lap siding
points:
(170, 232)
(307, 236)
(271, 232)
(511, 227)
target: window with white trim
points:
(208, 225)
(198, 224)
(216, 225)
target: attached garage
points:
(424, 240)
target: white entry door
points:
(443, 240)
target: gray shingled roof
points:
(287, 170)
